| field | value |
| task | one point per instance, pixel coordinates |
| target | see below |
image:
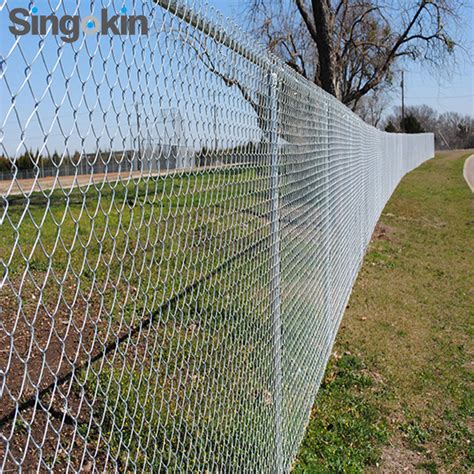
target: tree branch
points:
(379, 73)
(307, 20)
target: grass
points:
(406, 390)
(162, 233)
(108, 257)
(182, 406)
(345, 430)
(199, 379)
(193, 389)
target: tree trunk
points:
(324, 43)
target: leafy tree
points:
(55, 159)
(25, 161)
(5, 163)
(410, 124)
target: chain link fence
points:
(170, 302)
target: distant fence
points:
(179, 321)
(154, 157)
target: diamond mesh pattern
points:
(183, 218)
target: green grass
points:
(193, 388)
(409, 326)
(185, 403)
(403, 376)
(163, 233)
(192, 382)
(346, 430)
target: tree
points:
(410, 124)
(5, 164)
(350, 47)
(76, 158)
(55, 160)
(425, 115)
(372, 106)
(451, 129)
(390, 127)
(26, 161)
(457, 130)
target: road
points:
(469, 172)
(27, 186)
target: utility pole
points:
(403, 101)
(443, 137)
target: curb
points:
(466, 162)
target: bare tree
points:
(452, 130)
(457, 130)
(372, 106)
(350, 47)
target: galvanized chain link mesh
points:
(183, 218)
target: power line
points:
(443, 97)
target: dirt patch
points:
(51, 434)
(421, 221)
(42, 342)
(383, 232)
(50, 414)
(42, 339)
(396, 458)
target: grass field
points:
(398, 392)
(139, 276)
(150, 301)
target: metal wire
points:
(183, 218)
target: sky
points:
(445, 91)
(102, 92)
(444, 94)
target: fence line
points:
(172, 304)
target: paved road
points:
(469, 172)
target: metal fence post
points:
(328, 312)
(275, 269)
(327, 229)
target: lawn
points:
(149, 300)
(164, 357)
(143, 309)
(398, 392)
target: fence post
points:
(275, 269)
(327, 233)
